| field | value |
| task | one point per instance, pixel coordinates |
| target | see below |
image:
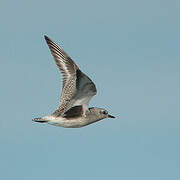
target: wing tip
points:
(46, 38)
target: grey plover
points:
(77, 91)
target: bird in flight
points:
(77, 91)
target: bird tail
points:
(40, 120)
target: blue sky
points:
(130, 49)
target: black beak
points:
(110, 116)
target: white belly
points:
(68, 123)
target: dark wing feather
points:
(84, 84)
(73, 112)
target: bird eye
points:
(105, 112)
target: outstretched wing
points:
(78, 88)
(65, 64)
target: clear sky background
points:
(131, 50)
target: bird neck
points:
(92, 117)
